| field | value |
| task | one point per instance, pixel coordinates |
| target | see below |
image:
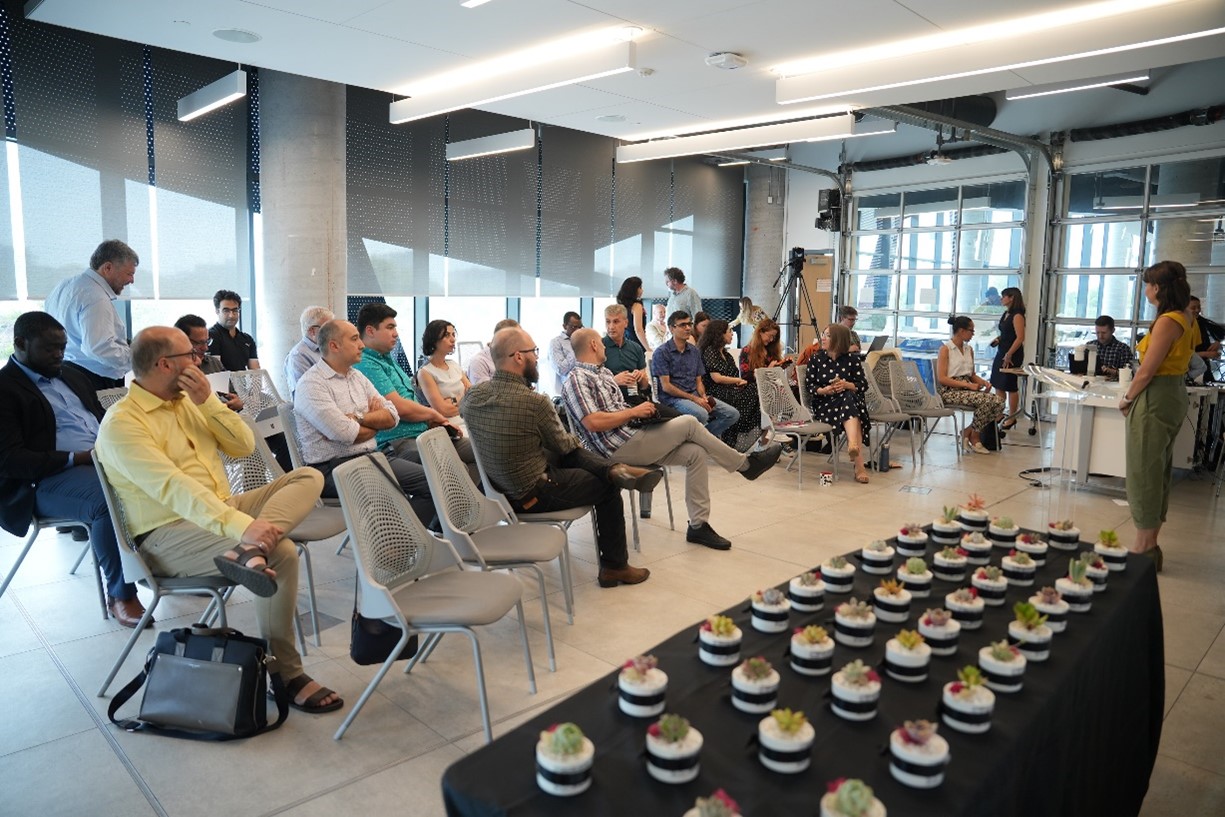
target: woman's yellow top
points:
(1179, 358)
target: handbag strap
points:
(279, 694)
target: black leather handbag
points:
(204, 684)
(374, 639)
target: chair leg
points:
(527, 651)
(297, 631)
(304, 556)
(668, 496)
(106, 613)
(30, 537)
(544, 610)
(372, 685)
(343, 543)
(634, 519)
(127, 648)
(423, 652)
(567, 579)
(81, 557)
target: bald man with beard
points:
(538, 464)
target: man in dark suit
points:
(48, 423)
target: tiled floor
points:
(60, 756)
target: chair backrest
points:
(462, 509)
(875, 399)
(876, 365)
(256, 390)
(801, 374)
(134, 567)
(909, 390)
(109, 397)
(391, 545)
(778, 404)
(255, 470)
(289, 422)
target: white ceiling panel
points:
(327, 10)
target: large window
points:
(1117, 221)
(919, 256)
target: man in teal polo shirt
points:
(625, 358)
(376, 323)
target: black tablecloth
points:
(1080, 738)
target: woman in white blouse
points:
(442, 381)
(959, 385)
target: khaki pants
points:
(184, 549)
(1152, 427)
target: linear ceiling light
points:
(1075, 85)
(518, 74)
(811, 130)
(734, 164)
(489, 145)
(214, 95)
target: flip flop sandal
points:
(311, 704)
(236, 570)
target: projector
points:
(726, 60)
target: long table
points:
(1080, 739)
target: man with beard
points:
(538, 465)
(225, 340)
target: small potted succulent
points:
(891, 601)
(940, 630)
(770, 610)
(877, 557)
(977, 548)
(812, 650)
(788, 737)
(755, 685)
(1050, 603)
(719, 804)
(838, 574)
(1003, 666)
(916, 577)
(1096, 570)
(966, 607)
(641, 687)
(1034, 545)
(672, 750)
(1063, 534)
(918, 754)
(968, 703)
(856, 690)
(991, 585)
(945, 530)
(1003, 532)
(1076, 588)
(850, 798)
(1029, 633)
(912, 539)
(907, 657)
(1111, 550)
(719, 641)
(1018, 567)
(807, 592)
(854, 624)
(972, 515)
(949, 564)
(563, 760)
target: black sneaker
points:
(704, 534)
(762, 461)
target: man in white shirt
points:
(481, 367)
(85, 304)
(561, 356)
(305, 352)
(339, 412)
(683, 298)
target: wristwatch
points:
(361, 415)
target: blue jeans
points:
(75, 493)
(720, 420)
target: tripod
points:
(793, 291)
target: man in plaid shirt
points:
(607, 425)
(538, 465)
(1112, 353)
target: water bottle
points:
(882, 462)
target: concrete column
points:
(302, 184)
(765, 228)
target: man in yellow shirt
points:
(159, 447)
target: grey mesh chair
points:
(256, 470)
(910, 394)
(415, 580)
(39, 524)
(784, 416)
(884, 414)
(136, 570)
(109, 397)
(289, 422)
(481, 532)
(256, 390)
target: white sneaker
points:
(979, 448)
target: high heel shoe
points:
(1157, 556)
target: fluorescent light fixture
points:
(213, 96)
(733, 164)
(497, 86)
(1075, 85)
(774, 117)
(811, 130)
(489, 145)
(471, 4)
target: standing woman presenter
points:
(1155, 402)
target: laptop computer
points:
(878, 343)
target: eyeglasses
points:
(535, 350)
(193, 353)
(684, 324)
(227, 311)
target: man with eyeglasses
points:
(538, 465)
(678, 366)
(847, 316)
(305, 352)
(235, 347)
(196, 330)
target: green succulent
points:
(853, 798)
(789, 723)
(1028, 615)
(565, 739)
(916, 566)
(673, 728)
(909, 639)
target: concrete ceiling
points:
(389, 44)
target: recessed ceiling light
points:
(237, 35)
(611, 117)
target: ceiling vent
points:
(726, 60)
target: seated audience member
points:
(442, 381)
(538, 465)
(160, 447)
(481, 367)
(305, 353)
(1112, 353)
(836, 387)
(624, 357)
(678, 367)
(958, 384)
(723, 382)
(593, 397)
(847, 316)
(235, 347)
(699, 325)
(630, 297)
(196, 330)
(561, 357)
(1211, 334)
(377, 325)
(657, 329)
(750, 315)
(49, 416)
(339, 412)
(763, 349)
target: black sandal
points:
(236, 570)
(311, 704)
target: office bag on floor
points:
(206, 684)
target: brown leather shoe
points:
(127, 612)
(633, 478)
(613, 576)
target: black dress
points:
(1008, 334)
(745, 432)
(836, 409)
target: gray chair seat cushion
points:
(320, 524)
(458, 597)
(519, 543)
